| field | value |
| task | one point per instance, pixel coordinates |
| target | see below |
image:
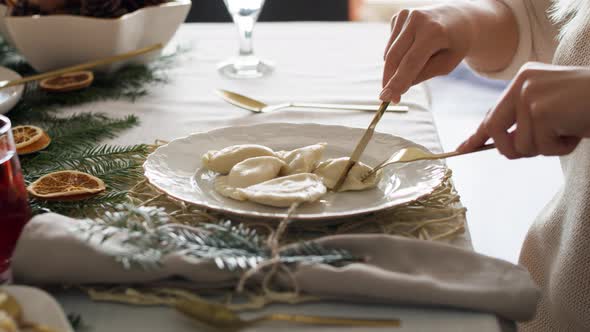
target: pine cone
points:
(102, 8)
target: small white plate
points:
(9, 96)
(39, 307)
(175, 168)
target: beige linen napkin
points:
(397, 270)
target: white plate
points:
(175, 168)
(9, 96)
(39, 307)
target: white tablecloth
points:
(314, 62)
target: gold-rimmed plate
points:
(176, 169)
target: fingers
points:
(551, 144)
(420, 37)
(524, 140)
(500, 120)
(441, 63)
(476, 140)
(496, 126)
(397, 50)
(397, 23)
(410, 66)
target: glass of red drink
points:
(14, 207)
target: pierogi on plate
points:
(258, 174)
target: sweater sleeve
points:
(537, 36)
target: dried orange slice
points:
(26, 135)
(29, 139)
(66, 185)
(68, 82)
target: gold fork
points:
(412, 153)
(219, 316)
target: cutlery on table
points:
(414, 154)
(257, 106)
(222, 317)
(361, 145)
(83, 66)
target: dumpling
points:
(223, 160)
(284, 191)
(222, 186)
(331, 169)
(247, 173)
(254, 170)
(302, 160)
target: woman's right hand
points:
(424, 43)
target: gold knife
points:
(361, 145)
(83, 66)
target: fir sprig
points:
(117, 174)
(149, 238)
(90, 207)
(74, 157)
(75, 138)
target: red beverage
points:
(14, 208)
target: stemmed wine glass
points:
(244, 14)
(14, 207)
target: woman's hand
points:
(424, 43)
(432, 41)
(550, 106)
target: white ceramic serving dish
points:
(39, 307)
(9, 96)
(57, 41)
(176, 169)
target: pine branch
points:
(74, 138)
(70, 159)
(149, 239)
(312, 252)
(86, 129)
(91, 207)
(117, 174)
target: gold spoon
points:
(257, 106)
(414, 154)
(13, 309)
(219, 316)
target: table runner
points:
(344, 71)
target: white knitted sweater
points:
(557, 248)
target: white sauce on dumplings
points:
(331, 169)
(302, 160)
(223, 160)
(284, 191)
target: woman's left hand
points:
(550, 106)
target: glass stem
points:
(245, 26)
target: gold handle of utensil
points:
(333, 321)
(457, 153)
(351, 107)
(361, 145)
(430, 157)
(83, 66)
